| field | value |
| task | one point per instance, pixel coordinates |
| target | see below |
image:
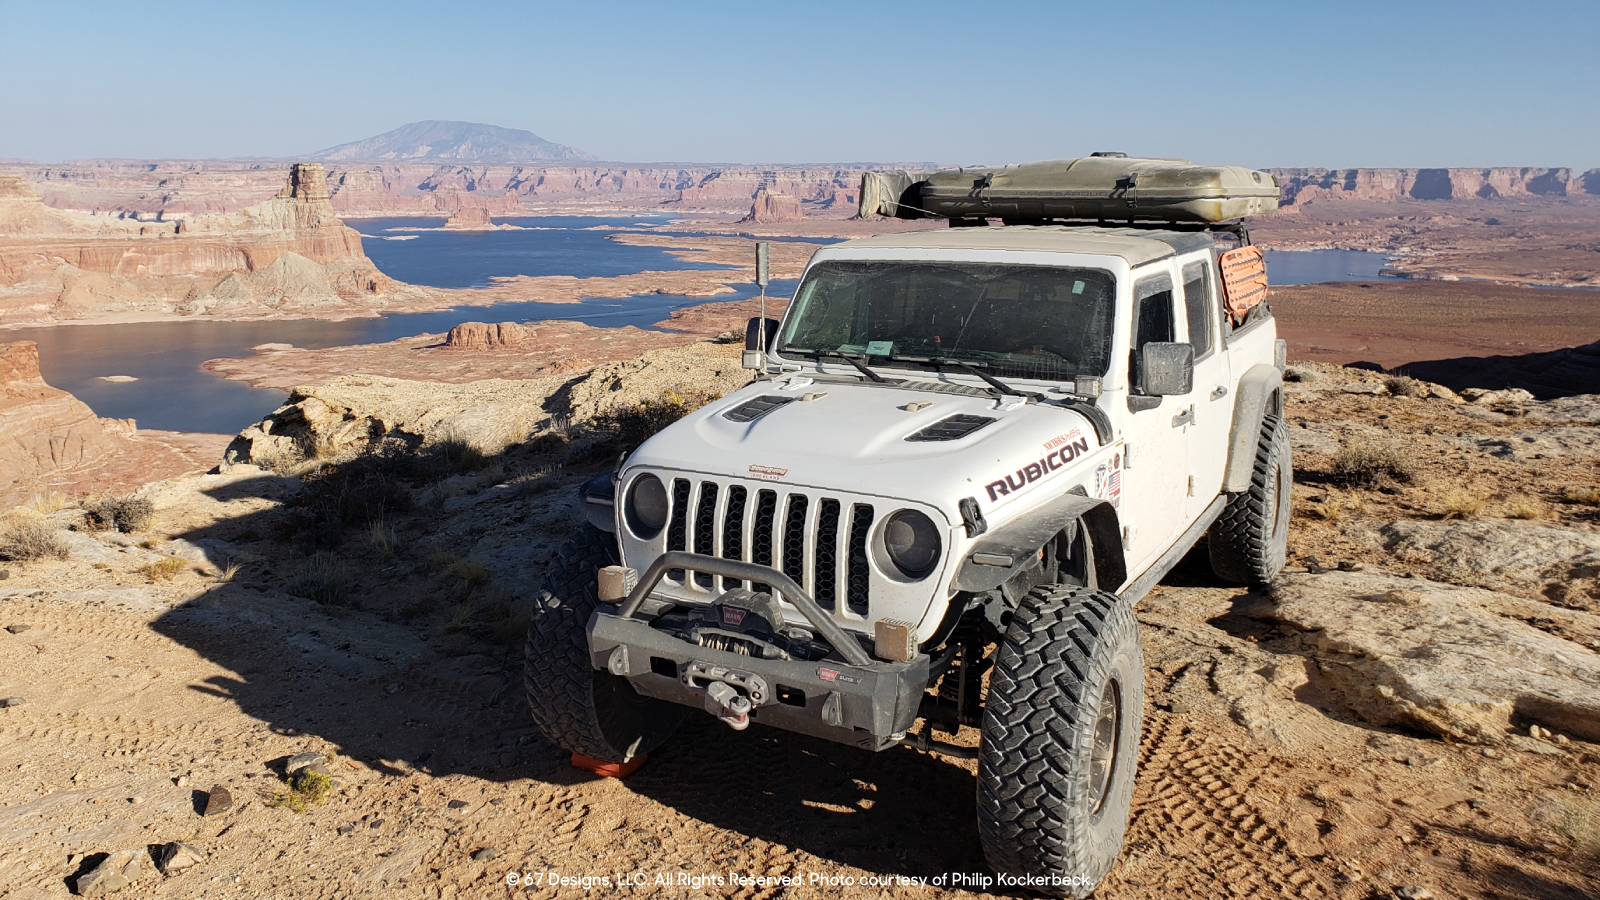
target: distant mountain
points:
(463, 141)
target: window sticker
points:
(880, 348)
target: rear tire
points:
(579, 708)
(1061, 731)
(1249, 542)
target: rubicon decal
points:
(1062, 450)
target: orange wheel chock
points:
(608, 769)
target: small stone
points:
(115, 872)
(181, 781)
(1401, 595)
(457, 804)
(177, 856)
(9, 702)
(1350, 565)
(4, 574)
(135, 800)
(393, 688)
(18, 629)
(1413, 892)
(219, 801)
(1562, 740)
(304, 760)
(485, 853)
(1491, 752)
(346, 829)
(1477, 804)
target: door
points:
(1207, 437)
(1155, 469)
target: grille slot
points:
(794, 539)
(705, 518)
(761, 533)
(755, 408)
(860, 575)
(951, 428)
(733, 531)
(676, 529)
(826, 559)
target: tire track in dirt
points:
(1192, 824)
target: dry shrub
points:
(1586, 495)
(321, 577)
(46, 503)
(1295, 373)
(633, 425)
(306, 788)
(1524, 507)
(164, 569)
(113, 513)
(382, 537)
(1373, 465)
(1458, 503)
(1402, 386)
(26, 537)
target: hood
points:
(927, 444)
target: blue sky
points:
(1335, 85)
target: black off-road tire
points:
(1045, 809)
(579, 708)
(1249, 542)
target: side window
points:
(1200, 307)
(1153, 318)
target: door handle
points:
(1219, 392)
(1184, 418)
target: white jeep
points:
(969, 453)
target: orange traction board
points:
(608, 769)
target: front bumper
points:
(848, 697)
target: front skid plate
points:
(872, 705)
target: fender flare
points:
(1259, 393)
(1021, 538)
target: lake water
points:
(174, 393)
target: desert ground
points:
(367, 610)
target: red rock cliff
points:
(42, 429)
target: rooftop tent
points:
(1108, 188)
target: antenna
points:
(762, 279)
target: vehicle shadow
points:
(400, 675)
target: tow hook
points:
(729, 693)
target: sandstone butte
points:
(43, 429)
(470, 218)
(771, 206)
(289, 252)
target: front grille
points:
(820, 542)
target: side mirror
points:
(758, 336)
(1166, 369)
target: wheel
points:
(1061, 739)
(579, 708)
(1250, 540)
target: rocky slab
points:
(1418, 654)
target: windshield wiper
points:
(993, 382)
(863, 367)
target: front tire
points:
(1061, 731)
(1249, 542)
(579, 708)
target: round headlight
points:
(646, 508)
(912, 542)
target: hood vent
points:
(755, 408)
(953, 428)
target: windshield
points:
(1020, 321)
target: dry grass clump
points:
(381, 536)
(635, 424)
(164, 569)
(1585, 495)
(306, 789)
(1523, 507)
(113, 513)
(322, 578)
(1373, 465)
(1403, 386)
(1578, 826)
(1458, 503)
(25, 537)
(46, 503)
